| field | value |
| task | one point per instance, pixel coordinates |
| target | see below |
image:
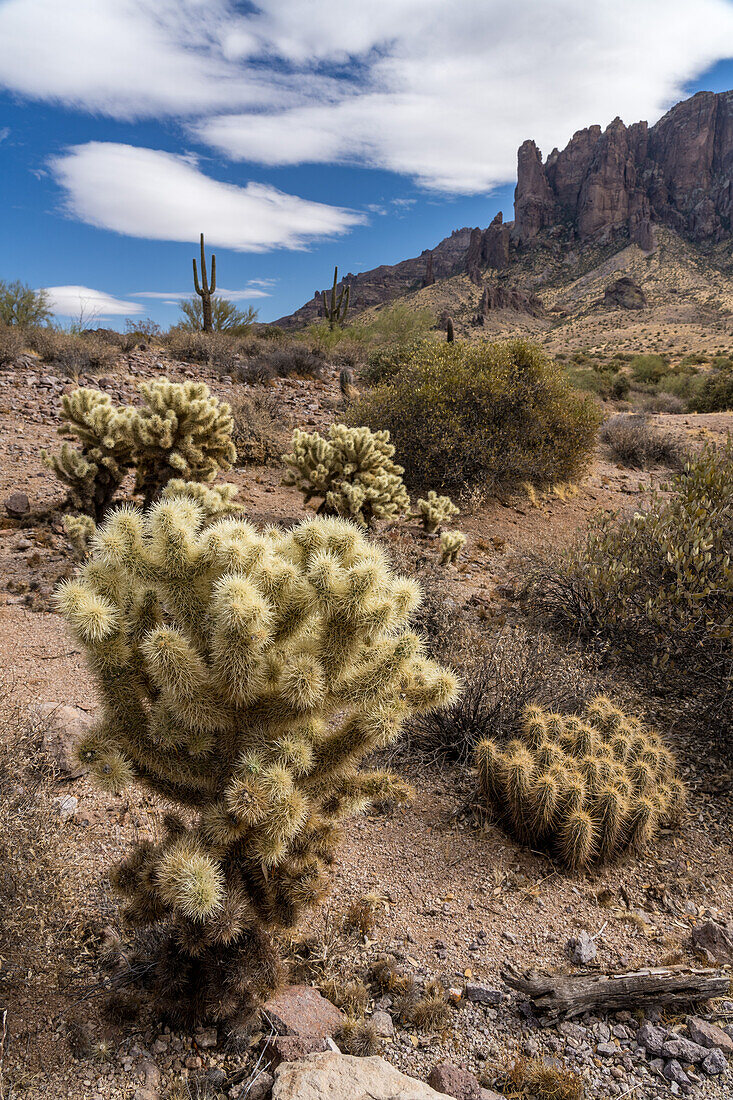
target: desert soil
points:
(458, 897)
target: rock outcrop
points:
(488, 248)
(624, 293)
(678, 172)
(497, 296)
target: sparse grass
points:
(11, 344)
(73, 355)
(358, 1036)
(535, 1079)
(260, 435)
(634, 441)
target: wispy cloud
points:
(436, 90)
(160, 196)
(244, 294)
(4, 133)
(76, 301)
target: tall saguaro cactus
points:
(206, 288)
(335, 311)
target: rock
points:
(454, 1081)
(624, 293)
(607, 1050)
(651, 1038)
(207, 1039)
(535, 205)
(581, 949)
(508, 297)
(709, 1035)
(261, 1087)
(63, 727)
(333, 1076)
(483, 994)
(685, 1049)
(291, 1048)
(383, 1023)
(673, 1071)
(301, 1010)
(714, 1063)
(17, 505)
(68, 805)
(488, 248)
(714, 940)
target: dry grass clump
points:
(518, 669)
(73, 355)
(358, 1036)
(361, 916)
(635, 441)
(11, 344)
(587, 788)
(533, 1078)
(260, 435)
(35, 879)
(424, 1007)
(351, 995)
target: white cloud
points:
(160, 196)
(442, 91)
(242, 295)
(82, 301)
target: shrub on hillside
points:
(259, 434)
(11, 344)
(484, 415)
(245, 679)
(635, 441)
(585, 788)
(659, 584)
(21, 305)
(294, 358)
(70, 354)
(715, 392)
(649, 368)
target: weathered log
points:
(557, 995)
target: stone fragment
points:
(709, 1035)
(651, 1038)
(483, 994)
(714, 940)
(67, 806)
(333, 1076)
(301, 1010)
(291, 1048)
(714, 1063)
(684, 1049)
(383, 1023)
(454, 1081)
(17, 505)
(673, 1071)
(63, 728)
(581, 949)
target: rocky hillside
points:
(583, 218)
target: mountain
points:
(609, 198)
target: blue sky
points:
(297, 141)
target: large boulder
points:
(331, 1076)
(624, 293)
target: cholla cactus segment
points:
(244, 676)
(451, 544)
(435, 510)
(586, 788)
(79, 530)
(216, 500)
(352, 470)
(95, 471)
(182, 431)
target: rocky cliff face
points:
(679, 172)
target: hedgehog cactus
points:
(435, 510)
(244, 676)
(585, 788)
(94, 472)
(182, 431)
(451, 544)
(352, 470)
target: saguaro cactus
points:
(244, 676)
(335, 312)
(206, 288)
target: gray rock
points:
(709, 1035)
(63, 728)
(483, 994)
(715, 941)
(673, 1071)
(679, 1047)
(383, 1023)
(581, 949)
(607, 1050)
(68, 805)
(301, 1010)
(261, 1087)
(331, 1076)
(651, 1038)
(206, 1039)
(17, 505)
(714, 1063)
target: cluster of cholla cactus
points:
(94, 472)
(244, 676)
(352, 470)
(451, 544)
(335, 309)
(585, 788)
(435, 510)
(180, 431)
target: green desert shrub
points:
(649, 368)
(244, 677)
(180, 431)
(635, 441)
(21, 305)
(351, 470)
(715, 392)
(225, 316)
(384, 363)
(584, 788)
(486, 415)
(660, 583)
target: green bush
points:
(23, 306)
(384, 364)
(714, 393)
(482, 415)
(660, 584)
(225, 316)
(649, 368)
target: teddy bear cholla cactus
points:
(435, 510)
(451, 544)
(244, 676)
(352, 470)
(95, 472)
(585, 788)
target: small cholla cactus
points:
(584, 788)
(95, 471)
(435, 510)
(352, 470)
(181, 431)
(215, 500)
(451, 544)
(245, 677)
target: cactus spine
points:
(244, 676)
(569, 783)
(335, 311)
(205, 288)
